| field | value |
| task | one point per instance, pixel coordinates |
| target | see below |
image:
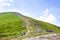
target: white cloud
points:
(1, 0)
(8, 4)
(47, 17)
(45, 12)
(11, 1)
(5, 3)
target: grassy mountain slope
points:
(13, 24)
(44, 25)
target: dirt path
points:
(45, 37)
(26, 22)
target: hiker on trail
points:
(22, 34)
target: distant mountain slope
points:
(14, 24)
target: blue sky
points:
(45, 10)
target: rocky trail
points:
(26, 23)
(45, 37)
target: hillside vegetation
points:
(14, 24)
(11, 25)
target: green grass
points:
(46, 26)
(13, 25)
(43, 26)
